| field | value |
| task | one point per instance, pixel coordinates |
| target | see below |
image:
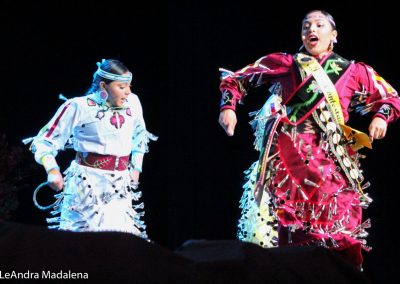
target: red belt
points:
(103, 162)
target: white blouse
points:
(87, 125)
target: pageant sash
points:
(322, 85)
(309, 93)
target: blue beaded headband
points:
(111, 76)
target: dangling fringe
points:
(28, 140)
(62, 97)
(261, 117)
(358, 102)
(142, 138)
(225, 73)
(257, 222)
(364, 109)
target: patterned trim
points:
(386, 111)
(103, 162)
(228, 100)
(53, 127)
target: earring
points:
(103, 96)
(331, 45)
(301, 47)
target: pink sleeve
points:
(381, 97)
(234, 85)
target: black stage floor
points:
(35, 251)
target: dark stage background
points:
(193, 174)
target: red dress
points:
(312, 190)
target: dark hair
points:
(327, 15)
(111, 66)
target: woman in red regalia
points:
(307, 187)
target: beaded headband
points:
(110, 76)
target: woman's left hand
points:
(135, 178)
(377, 128)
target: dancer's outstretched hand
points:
(377, 129)
(228, 120)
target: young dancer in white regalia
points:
(107, 130)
